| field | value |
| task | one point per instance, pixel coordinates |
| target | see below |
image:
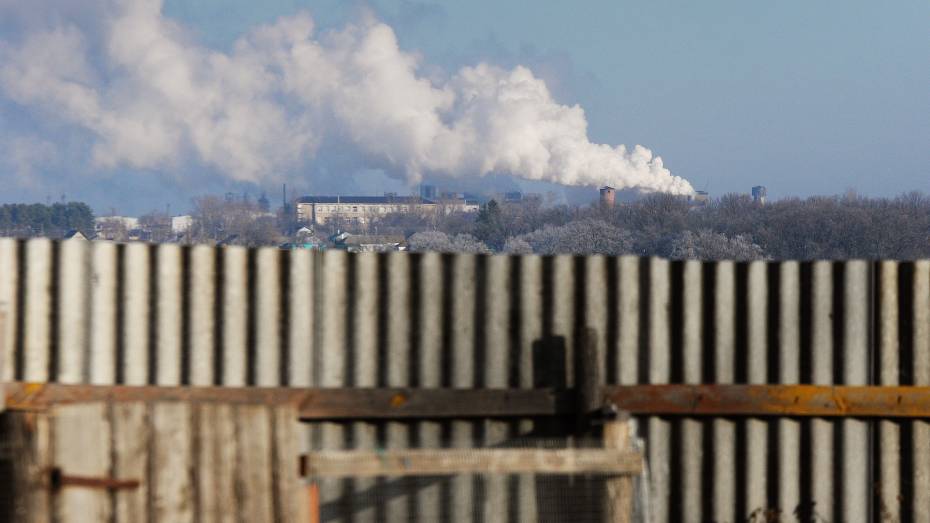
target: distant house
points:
(75, 234)
(369, 243)
(181, 224)
(115, 227)
(304, 238)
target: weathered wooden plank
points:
(172, 489)
(130, 458)
(291, 504)
(773, 400)
(430, 462)
(404, 403)
(216, 458)
(81, 447)
(619, 499)
(25, 455)
(254, 458)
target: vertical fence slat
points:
(332, 356)
(202, 296)
(757, 372)
(822, 368)
(889, 435)
(920, 344)
(37, 310)
(462, 354)
(235, 308)
(430, 366)
(724, 430)
(74, 282)
(531, 331)
(136, 302)
(102, 364)
(364, 325)
(398, 363)
(789, 371)
(691, 429)
(562, 317)
(659, 372)
(9, 284)
(629, 316)
(301, 329)
(168, 316)
(496, 367)
(856, 487)
(301, 324)
(267, 315)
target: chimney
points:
(607, 196)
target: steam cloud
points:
(151, 97)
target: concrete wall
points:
(105, 313)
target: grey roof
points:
(371, 200)
(385, 239)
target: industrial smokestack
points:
(608, 196)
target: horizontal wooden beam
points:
(772, 400)
(434, 403)
(41, 396)
(317, 404)
(361, 464)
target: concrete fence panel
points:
(142, 314)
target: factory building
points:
(363, 209)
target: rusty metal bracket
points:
(59, 480)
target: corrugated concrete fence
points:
(139, 314)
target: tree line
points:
(53, 221)
(732, 227)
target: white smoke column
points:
(153, 98)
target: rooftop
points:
(370, 200)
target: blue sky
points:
(803, 97)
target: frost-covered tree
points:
(580, 237)
(517, 246)
(708, 245)
(436, 241)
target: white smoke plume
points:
(152, 98)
